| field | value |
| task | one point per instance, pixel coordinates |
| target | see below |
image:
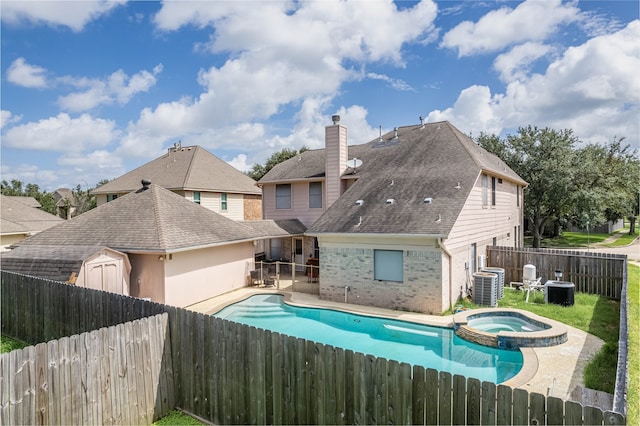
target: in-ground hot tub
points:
(508, 328)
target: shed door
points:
(104, 276)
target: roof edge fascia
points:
(309, 179)
(373, 234)
(504, 176)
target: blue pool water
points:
(415, 344)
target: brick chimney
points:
(335, 141)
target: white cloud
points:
(593, 89)
(25, 75)
(93, 166)
(281, 55)
(531, 20)
(514, 65)
(118, 87)
(61, 133)
(240, 163)
(395, 83)
(56, 13)
(6, 118)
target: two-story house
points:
(197, 175)
(398, 222)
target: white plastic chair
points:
(529, 285)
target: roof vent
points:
(395, 133)
(428, 200)
(391, 201)
(359, 202)
(439, 219)
(335, 119)
(145, 183)
(421, 122)
(457, 186)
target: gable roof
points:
(147, 220)
(29, 201)
(63, 196)
(190, 168)
(430, 161)
(53, 262)
(20, 217)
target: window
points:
(485, 190)
(388, 265)
(315, 195)
(275, 249)
(518, 195)
(196, 197)
(111, 197)
(283, 196)
(223, 202)
(493, 191)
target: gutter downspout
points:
(448, 253)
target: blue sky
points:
(91, 90)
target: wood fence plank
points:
(140, 373)
(167, 381)
(592, 415)
(149, 389)
(208, 367)
(53, 378)
(340, 384)
(459, 399)
(613, 418)
(29, 384)
(280, 380)
(572, 413)
(106, 378)
(217, 376)
(5, 387)
(134, 409)
(520, 407)
(537, 412)
(381, 404)
(504, 405)
(445, 398)
(432, 408)
(406, 394)
(369, 389)
(16, 391)
(394, 396)
(418, 395)
(555, 411)
(473, 401)
(94, 378)
(350, 389)
(488, 404)
(301, 382)
(75, 380)
(330, 390)
(197, 362)
(120, 371)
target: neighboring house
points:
(179, 252)
(401, 220)
(197, 175)
(97, 267)
(21, 217)
(65, 203)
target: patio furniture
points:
(532, 285)
(261, 277)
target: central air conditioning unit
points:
(485, 289)
(500, 273)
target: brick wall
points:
(421, 290)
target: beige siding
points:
(213, 202)
(480, 225)
(336, 162)
(8, 240)
(299, 204)
(197, 275)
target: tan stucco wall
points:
(196, 275)
(147, 277)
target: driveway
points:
(632, 250)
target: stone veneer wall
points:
(421, 290)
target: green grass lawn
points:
(177, 417)
(633, 369)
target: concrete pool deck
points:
(551, 371)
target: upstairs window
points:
(283, 196)
(517, 195)
(485, 190)
(223, 202)
(388, 265)
(196, 197)
(493, 191)
(111, 197)
(315, 195)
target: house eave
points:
(375, 235)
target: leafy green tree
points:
(259, 170)
(84, 200)
(543, 158)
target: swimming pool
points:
(416, 344)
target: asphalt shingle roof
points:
(190, 168)
(429, 161)
(154, 219)
(275, 228)
(55, 262)
(19, 216)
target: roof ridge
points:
(162, 240)
(187, 175)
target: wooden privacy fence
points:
(591, 272)
(117, 375)
(230, 373)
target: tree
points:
(544, 158)
(259, 170)
(17, 188)
(84, 200)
